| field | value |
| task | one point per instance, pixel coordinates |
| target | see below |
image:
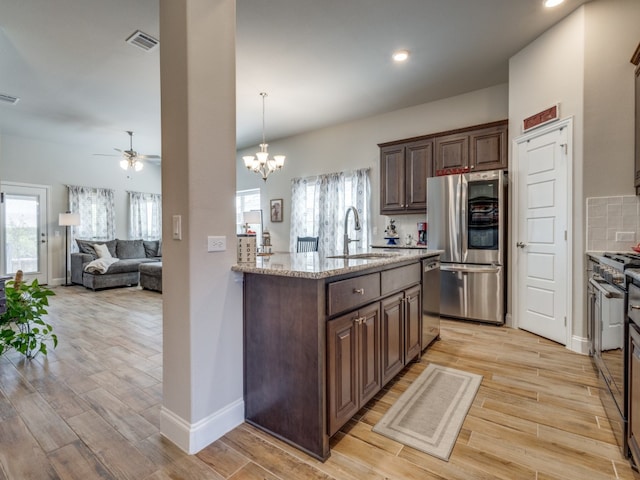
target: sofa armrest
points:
(78, 260)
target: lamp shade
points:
(252, 217)
(68, 219)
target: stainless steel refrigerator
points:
(466, 215)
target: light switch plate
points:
(216, 243)
(177, 227)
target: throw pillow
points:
(151, 248)
(86, 246)
(102, 250)
(130, 249)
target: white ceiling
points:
(321, 62)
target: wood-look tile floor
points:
(91, 410)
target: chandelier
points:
(261, 163)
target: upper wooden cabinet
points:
(404, 169)
(472, 150)
(636, 61)
(406, 164)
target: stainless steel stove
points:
(608, 331)
(612, 266)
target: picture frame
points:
(275, 207)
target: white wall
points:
(548, 71)
(612, 33)
(202, 297)
(354, 145)
(583, 63)
(28, 160)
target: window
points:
(318, 206)
(97, 213)
(145, 216)
(247, 200)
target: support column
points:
(202, 301)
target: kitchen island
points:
(323, 335)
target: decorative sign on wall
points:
(549, 115)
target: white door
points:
(541, 234)
(23, 232)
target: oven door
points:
(609, 354)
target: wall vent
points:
(4, 98)
(143, 40)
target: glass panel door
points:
(23, 235)
(483, 211)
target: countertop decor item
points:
(261, 163)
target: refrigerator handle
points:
(470, 268)
(464, 238)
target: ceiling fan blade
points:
(106, 155)
(118, 150)
(150, 157)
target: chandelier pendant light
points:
(261, 163)
(130, 158)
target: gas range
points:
(613, 265)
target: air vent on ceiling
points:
(143, 40)
(4, 98)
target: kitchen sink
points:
(365, 256)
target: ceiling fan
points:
(132, 160)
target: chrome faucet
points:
(356, 219)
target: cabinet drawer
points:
(354, 292)
(400, 278)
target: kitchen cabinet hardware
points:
(359, 290)
(634, 307)
(520, 245)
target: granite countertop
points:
(312, 265)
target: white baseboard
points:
(194, 437)
(508, 320)
(579, 345)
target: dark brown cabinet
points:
(353, 346)
(473, 150)
(452, 154)
(404, 169)
(405, 165)
(313, 347)
(400, 331)
(636, 61)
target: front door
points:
(541, 234)
(23, 232)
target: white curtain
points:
(97, 213)
(145, 215)
(319, 205)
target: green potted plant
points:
(21, 326)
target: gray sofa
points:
(124, 272)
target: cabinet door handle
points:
(359, 290)
(634, 307)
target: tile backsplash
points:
(613, 223)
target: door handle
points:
(521, 245)
(634, 307)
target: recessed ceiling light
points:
(552, 3)
(400, 55)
